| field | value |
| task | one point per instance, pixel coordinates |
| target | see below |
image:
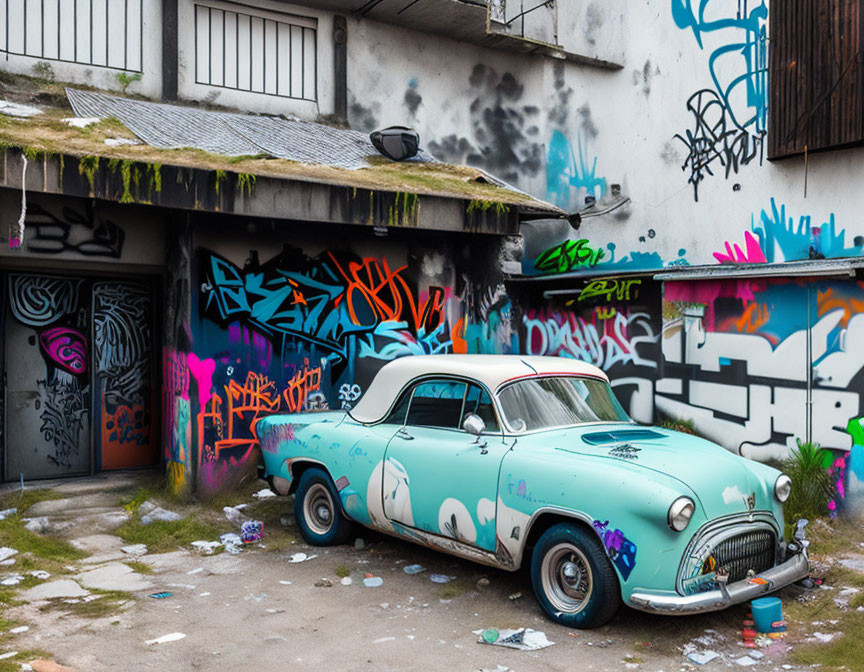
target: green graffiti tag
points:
(620, 290)
(568, 256)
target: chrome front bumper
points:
(794, 569)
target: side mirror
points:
(473, 424)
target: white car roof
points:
(491, 370)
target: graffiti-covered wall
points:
(304, 325)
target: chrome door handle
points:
(403, 433)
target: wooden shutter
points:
(816, 76)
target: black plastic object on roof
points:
(396, 142)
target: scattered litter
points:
(251, 531)
(135, 549)
(483, 582)
(842, 599)
(90, 598)
(346, 581)
(232, 513)
(232, 541)
(414, 569)
(372, 581)
(515, 596)
(383, 639)
(745, 661)
(286, 520)
(258, 597)
(440, 578)
(203, 594)
(12, 580)
(6, 552)
(7, 512)
(160, 514)
(498, 668)
(161, 596)
(164, 639)
(758, 655)
(195, 571)
(823, 637)
(324, 583)
(264, 493)
(40, 574)
(359, 544)
(285, 583)
(116, 142)
(300, 557)
(16, 110)
(20, 629)
(524, 639)
(80, 122)
(275, 611)
(8, 563)
(702, 657)
(8, 655)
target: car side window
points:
(437, 403)
(397, 415)
(478, 402)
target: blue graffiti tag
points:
(565, 174)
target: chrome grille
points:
(751, 550)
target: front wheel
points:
(317, 510)
(573, 578)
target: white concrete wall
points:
(44, 57)
(321, 102)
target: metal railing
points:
(103, 33)
(260, 54)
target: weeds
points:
(24, 499)
(15, 535)
(342, 571)
(140, 567)
(109, 602)
(162, 536)
(811, 484)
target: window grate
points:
(103, 33)
(259, 54)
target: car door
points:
(438, 477)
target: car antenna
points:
(528, 365)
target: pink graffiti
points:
(707, 292)
(753, 254)
(66, 347)
(202, 371)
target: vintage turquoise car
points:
(507, 460)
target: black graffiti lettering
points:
(52, 235)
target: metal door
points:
(47, 377)
(123, 365)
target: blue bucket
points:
(766, 610)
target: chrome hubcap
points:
(567, 578)
(318, 509)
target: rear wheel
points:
(573, 578)
(317, 510)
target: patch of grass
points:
(23, 500)
(109, 602)
(15, 535)
(834, 537)
(13, 664)
(342, 571)
(162, 536)
(845, 652)
(140, 567)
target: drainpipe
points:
(169, 50)
(809, 417)
(340, 68)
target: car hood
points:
(724, 483)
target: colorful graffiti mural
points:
(568, 256)
(570, 174)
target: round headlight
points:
(782, 487)
(680, 513)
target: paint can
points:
(766, 611)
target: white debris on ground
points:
(135, 549)
(15, 110)
(300, 557)
(80, 122)
(264, 493)
(524, 639)
(164, 639)
(6, 552)
(5, 513)
(160, 514)
(702, 657)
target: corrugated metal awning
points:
(816, 267)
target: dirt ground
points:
(258, 610)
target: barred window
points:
(274, 54)
(103, 33)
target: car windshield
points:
(538, 403)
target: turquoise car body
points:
(443, 488)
